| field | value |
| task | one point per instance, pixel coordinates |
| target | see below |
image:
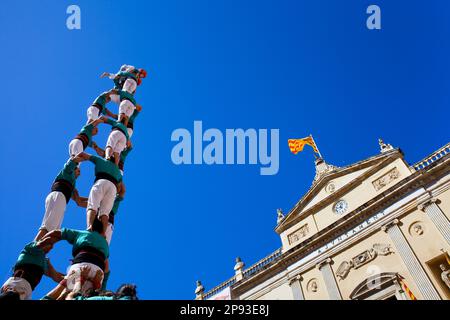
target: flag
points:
(405, 287)
(296, 145)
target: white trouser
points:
(115, 98)
(129, 86)
(109, 232)
(73, 277)
(126, 107)
(93, 113)
(19, 285)
(117, 141)
(101, 198)
(55, 206)
(130, 132)
(75, 147)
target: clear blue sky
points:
(300, 66)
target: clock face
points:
(340, 207)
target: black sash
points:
(90, 255)
(63, 186)
(84, 139)
(30, 272)
(104, 175)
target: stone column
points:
(412, 263)
(438, 217)
(296, 288)
(330, 281)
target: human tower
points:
(89, 270)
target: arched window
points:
(383, 286)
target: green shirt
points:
(126, 95)
(68, 172)
(31, 254)
(133, 116)
(117, 202)
(105, 166)
(87, 130)
(83, 238)
(101, 101)
(124, 154)
(118, 125)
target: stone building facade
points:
(375, 229)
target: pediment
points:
(329, 180)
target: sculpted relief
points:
(297, 235)
(378, 249)
(386, 179)
(312, 285)
(416, 229)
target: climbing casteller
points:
(62, 190)
(89, 250)
(117, 141)
(98, 107)
(103, 192)
(30, 266)
(84, 138)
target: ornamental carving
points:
(416, 229)
(386, 179)
(298, 234)
(330, 188)
(378, 249)
(312, 285)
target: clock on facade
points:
(340, 207)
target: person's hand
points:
(83, 156)
(94, 145)
(57, 276)
(98, 279)
(104, 75)
(84, 272)
(138, 107)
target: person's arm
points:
(57, 291)
(122, 190)
(110, 114)
(98, 121)
(54, 236)
(50, 239)
(84, 275)
(97, 281)
(97, 149)
(83, 156)
(107, 74)
(53, 274)
(80, 201)
(109, 121)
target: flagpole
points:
(320, 155)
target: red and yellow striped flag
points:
(405, 288)
(296, 145)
